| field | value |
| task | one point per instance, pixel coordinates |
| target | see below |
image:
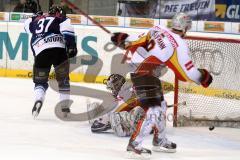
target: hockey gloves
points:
(119, 38)
(206, 79)
(72, 51)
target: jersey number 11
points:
(44, 24)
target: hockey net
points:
(218, 105)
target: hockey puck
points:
(211, 128)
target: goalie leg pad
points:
(93, 109)
(119, 123)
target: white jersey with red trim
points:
(162, 46)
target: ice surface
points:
(22, 137)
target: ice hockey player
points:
(124, 116)
(162, 46)
(52, 43)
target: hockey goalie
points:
(161, 46)
(126, 113)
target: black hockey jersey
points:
(49, 32)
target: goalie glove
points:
(119, 38)
(72, 51)
(206, 79)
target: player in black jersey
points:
(52, 43)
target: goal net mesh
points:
(218, 105)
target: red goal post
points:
(218, 105)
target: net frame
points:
(181, 120)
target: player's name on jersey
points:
(54, 39)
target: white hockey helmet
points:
(182, 22)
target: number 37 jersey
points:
(49, 32)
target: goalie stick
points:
(93, 111)
(91, 106)
(184, 103)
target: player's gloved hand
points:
(206, 78)
(119, 38)
(72, 51)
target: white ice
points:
(23, 138)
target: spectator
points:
(138, 8)
(66, 9)
(1, 6)
(28, 6)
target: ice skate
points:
(36, 108)
(137, 153)
(99, 126)
(164, 145)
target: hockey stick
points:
(39, 7)
(77, 10)
(173, 105)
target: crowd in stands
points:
(131, 8)
(124, 8)
(32, 6)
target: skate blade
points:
(162, 149)
(133, 155)
(35, 114)
(36, 109)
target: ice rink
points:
(22, 137)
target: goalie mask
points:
(114, 83)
